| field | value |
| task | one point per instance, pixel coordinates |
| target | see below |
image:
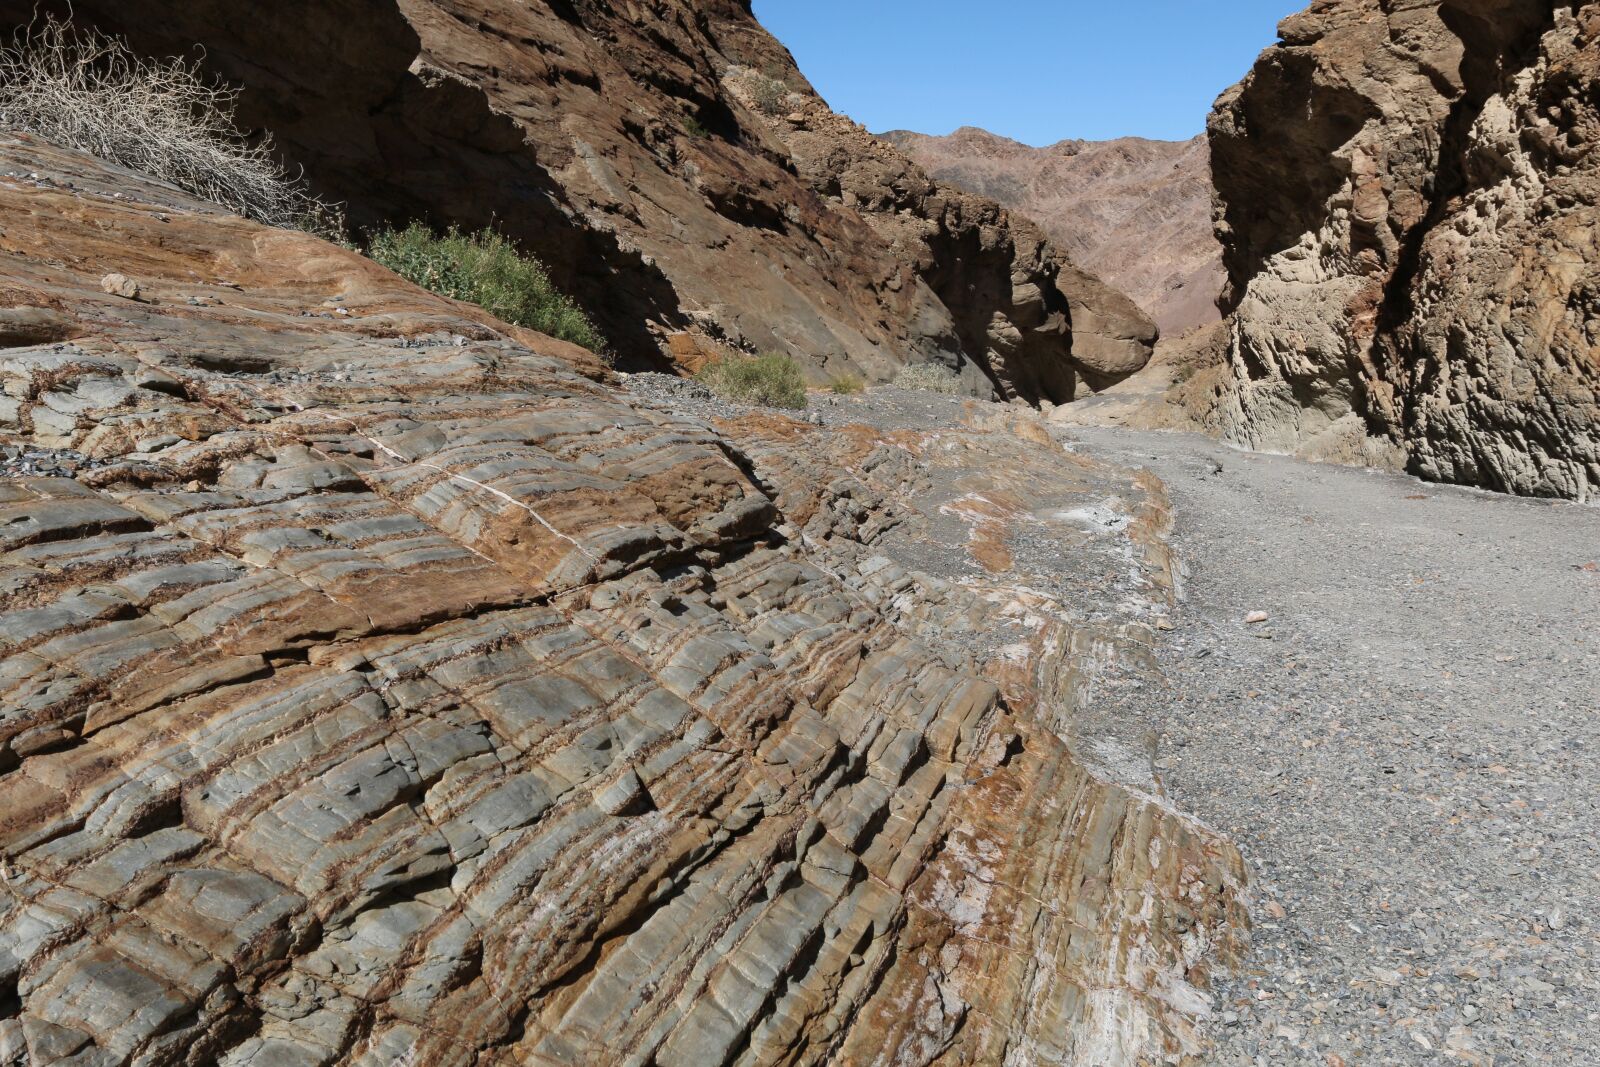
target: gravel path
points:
(1407, 749)
(1407, 752)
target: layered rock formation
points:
(378, 686)
(1135, 212)
(1407, 200)
(644, 153)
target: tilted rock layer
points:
(1406, 194)
(1134, 211)
(378, 686)
(647, 153)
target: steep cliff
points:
(1406, 196)
(379, 685)
(643, 151)
(1134, 211)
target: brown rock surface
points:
(1407, 199)
(379, 686)
(627, 146)
(1134, 211)
(1177, 391)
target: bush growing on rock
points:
(929, 378)
(771, 379)
(849, 385)
(485, 269)
(770, 94)
(83, 90)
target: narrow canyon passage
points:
(531, 536)
(1404, 751)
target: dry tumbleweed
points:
(163, 118)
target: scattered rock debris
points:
(17, 461)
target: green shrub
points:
(770, 94)
(485, 269)
(695, 128)
(929, 378)
(771, 379)
(849, 385)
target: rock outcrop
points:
(380, 686)
(647, 153)
(1406, 195)
(1136, 212)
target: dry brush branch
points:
(84, 90)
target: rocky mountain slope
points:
(1134, 211)
(380, 685)
(667, 160)
(1407, 203)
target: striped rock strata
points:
(383, 688)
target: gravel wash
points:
(1407, 751)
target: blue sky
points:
(1038, 71)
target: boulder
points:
(1111, 337)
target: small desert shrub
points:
(929, 378)
(770, 94)
(771, 379)
(485, 269)
(695, 128)
(83, 90)
(849, 385)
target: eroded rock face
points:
(385, 688)
(624, 145)
(1406, 196)
(1136, 212)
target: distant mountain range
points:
(1136, 212)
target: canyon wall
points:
(668, 160)
(1136, 212)
(1406, 197)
